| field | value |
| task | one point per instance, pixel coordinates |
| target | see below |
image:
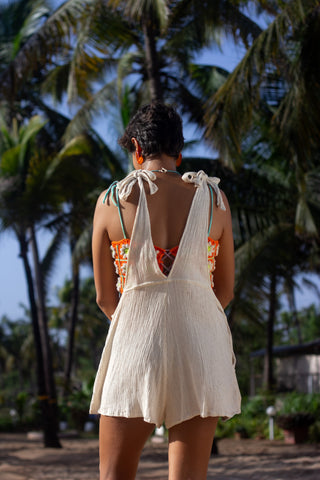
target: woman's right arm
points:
(105, 277)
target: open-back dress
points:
(168, 355)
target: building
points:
(297, 368)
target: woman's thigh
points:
(121, 441)
(190, 444)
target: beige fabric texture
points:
(168, 355)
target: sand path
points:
(23, 459)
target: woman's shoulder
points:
(200, 178)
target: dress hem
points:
(112, 413)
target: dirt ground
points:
(25, 459)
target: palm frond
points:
(79, 145)
(42, 45)
(249, 251)
(201, 21)
(39, 12)
(156, 10)
(93, 107)
(82, 249)
(18, 20)
(313, 187)
(304, 220)
(56, 82)
(206, 78)
(126, 66)
(230, 111)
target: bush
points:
(299, 403)
(252, 422)
(298, 410)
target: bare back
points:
(168, 209)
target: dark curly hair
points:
(158, 129)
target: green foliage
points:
(308, 321)
(292, 409)
(314, 432)
(251, 423)
(75, 407)
(294, 402)
(298, 410)
(20, 413)
(21, 403)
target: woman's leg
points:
(121, 441)
(190, 444)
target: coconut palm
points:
(265, 117)
(154, 44)
(271, 102)
(23, 205)
(35, 193)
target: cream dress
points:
(168, 356)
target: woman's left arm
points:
(225, 269)
(105, 277)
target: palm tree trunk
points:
(152, 61)
(49, 400)
(72, 327)
(268, 365)
(293, 311)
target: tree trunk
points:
(268, 360)
(293, 311)
(152, 61)
(49, 399)
(72, 326)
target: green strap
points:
(114, 195)
(211, 212)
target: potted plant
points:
(296, 414)
(295, 426)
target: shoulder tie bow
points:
(125, 186)
(198, 178)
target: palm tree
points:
(271, 103)
(153, 44)
(35, 193)
(265, 119)
(23, 205)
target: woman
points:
(168, 355)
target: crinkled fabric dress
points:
(168, 356)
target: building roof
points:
(310, 348)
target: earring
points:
(179, 160)
(139, 157)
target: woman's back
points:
(168, 210)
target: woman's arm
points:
(105, 277)
(224, 271)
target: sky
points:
(13, 290)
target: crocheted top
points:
(165, 257)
